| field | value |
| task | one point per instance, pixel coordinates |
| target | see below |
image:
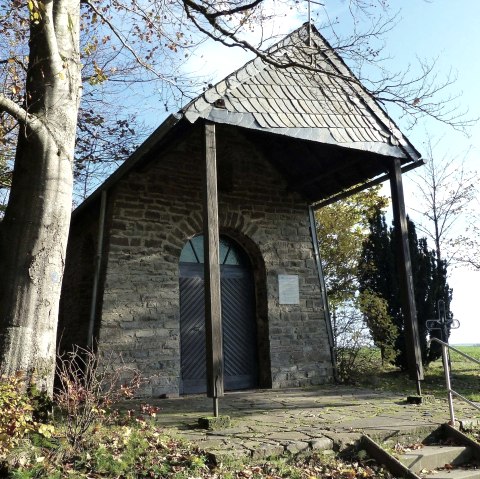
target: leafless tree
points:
(445, 189)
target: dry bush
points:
(352, 342)
(86, 390)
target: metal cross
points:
(309, 3)
(443, 323)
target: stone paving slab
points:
(271, 422)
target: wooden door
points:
(238, 319)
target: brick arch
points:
(186, 229)
(193, 225)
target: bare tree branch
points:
(12, 108)
(445, 188)
(122, 39)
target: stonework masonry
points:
(154, 210)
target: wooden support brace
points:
(213, 312)
(412, 339)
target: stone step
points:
(434, 457)
(453, 474)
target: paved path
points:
(271, 422)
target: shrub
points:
(22, 410)
(351, 338)
(86, 391)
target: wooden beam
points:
(363, 186)
(323, 289)
(213, 311)
(327, 173)
(412, 339)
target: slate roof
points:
(323, 102)
(317, 124)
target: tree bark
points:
(34, 231)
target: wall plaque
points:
(288, 290)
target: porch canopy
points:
(309, 113)
(305, 109)
(320, 127)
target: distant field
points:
(470, 350)
(465, 376)
(465, 373)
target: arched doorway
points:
(238, 317)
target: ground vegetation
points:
(128, 440)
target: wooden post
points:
(213, 311)
(412, 339)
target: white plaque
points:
(288, 291)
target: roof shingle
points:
(282, 97)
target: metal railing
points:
(446, 367)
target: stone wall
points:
(154, 212)
(77, 285)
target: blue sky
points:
(447, 30)
(426, 29)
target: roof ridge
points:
(342, 94)
(375, 108)
(202, 103)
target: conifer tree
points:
(378, 276)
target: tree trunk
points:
(34, 232)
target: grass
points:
(142, 449)
(126, 446)
(465, 375)
(138, 448)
